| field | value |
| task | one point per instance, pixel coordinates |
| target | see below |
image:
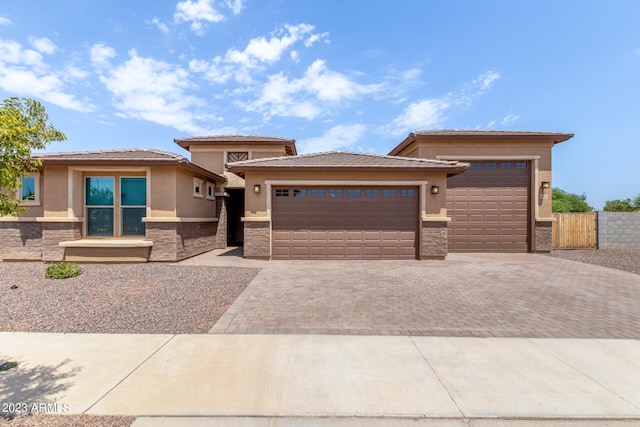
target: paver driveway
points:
(483, 295)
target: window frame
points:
(211, 191)
(112, 207)
(197, 187)
(36, 190)
(123, 207)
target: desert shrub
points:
(62, 270)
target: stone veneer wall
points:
(543, 236)
(221, 214)
(21, 240)
(56, 232)
(174, 241)
(618, 230)
(434, 242)
(257, 239)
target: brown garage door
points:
(344, 222)
(489, 208)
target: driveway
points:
(479, 295)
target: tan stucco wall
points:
(55, 191)
(163, 191)
(256, 204)
(502, 148)
(213, 157)
(189, 206)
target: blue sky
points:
(336, 75)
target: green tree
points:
(636, 202)
(625, 205)
(568, 202)
(24, 127)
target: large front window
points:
(115, 211)
(99, 198)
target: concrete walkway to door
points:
(471, 295)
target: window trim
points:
(197, 187)
(36, 191)
(211, 191)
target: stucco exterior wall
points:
(163, 191)
(213, 157)
(55, 191)
(188, 205)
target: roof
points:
(480, 134)
(339, 160)
(290, 144)
(125, 157)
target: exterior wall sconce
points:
(256, 188)
(546, 184)
(435, 189)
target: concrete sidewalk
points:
(303, 377)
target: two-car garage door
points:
(489, 207)
(357, 222)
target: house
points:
(436, 192)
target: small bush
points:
(62, 270)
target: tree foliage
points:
(625, 205)
(568, 202)
(24, 127)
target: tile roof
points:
(479, 134)
(126, 156)
(237, 139)
(339, 160)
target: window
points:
(490, 165)
(335, 192)
(317, 192)
(300, 192)
(505, 165)
(407, 192)
(389, 192)
(521, 165)
(237, 156)
(371, 192)
(282, 192)
(197, 187)
(29, 193)
(133, 202)
(476, 165)
(354, 192)
(99, 199)
(211, 191)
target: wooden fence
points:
(575, 230)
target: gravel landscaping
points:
(621, 259)
(44, 420)
(118, 298)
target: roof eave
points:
(251, 168)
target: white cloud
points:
(341, 137)
(197, 12)
(161, 25)
(5, 21)
(155, 91)
(313, 38)
(295, 56)
(43, 45)
(101, 54)
(260, 50)
(234, 5)
(429, 113)
(309, 96)
(511, 118)
(213, 71)
(23, 73)
(71, 72)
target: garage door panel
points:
(346, 227)
(489, 209)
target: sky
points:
(350, 75)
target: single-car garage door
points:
(344, 222)
(489, 208)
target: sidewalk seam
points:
(584, 374)
(437, 377)
(129, 374)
